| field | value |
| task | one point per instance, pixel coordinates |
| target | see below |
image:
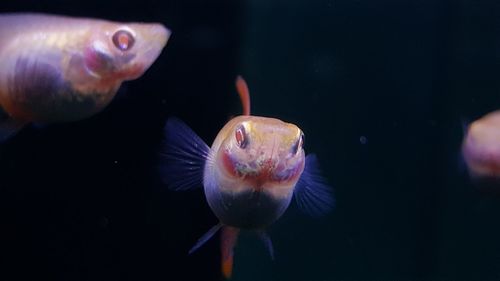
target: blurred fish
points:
(58, 68)
(254, 167)
(481, 147)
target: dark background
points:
(382, 90)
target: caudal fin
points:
(229, 238)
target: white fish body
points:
(58, 68)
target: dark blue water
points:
(380, 88)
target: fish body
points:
(481, 147)
(58, 68)
(249, 174)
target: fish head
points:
(263, 153)
(124, 51)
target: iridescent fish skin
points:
(58, 68)
(250, 174)
(481, 147)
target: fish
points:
(481, 148)
(56, 68)
(249, 174)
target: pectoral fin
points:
(313, 195)
(182, 157)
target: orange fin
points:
(244, 93)
(229, 238)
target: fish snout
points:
(157, 36)
(160, 34)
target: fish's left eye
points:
(123, 40)
(298, 144)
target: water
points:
(380, 88)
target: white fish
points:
(250, 174)
(58, 68)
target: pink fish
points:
(250, 174)
(58, 68)
(481, 147)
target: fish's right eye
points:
(241, 136)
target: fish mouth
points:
(159, 36)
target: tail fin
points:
(229, 238)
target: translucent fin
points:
(312, 193)
(229, 238)
(182, 156)
(203, 239)
(267, 242)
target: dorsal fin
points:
(244, 93)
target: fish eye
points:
(123, 40)
(298, 144)
(241, 136)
